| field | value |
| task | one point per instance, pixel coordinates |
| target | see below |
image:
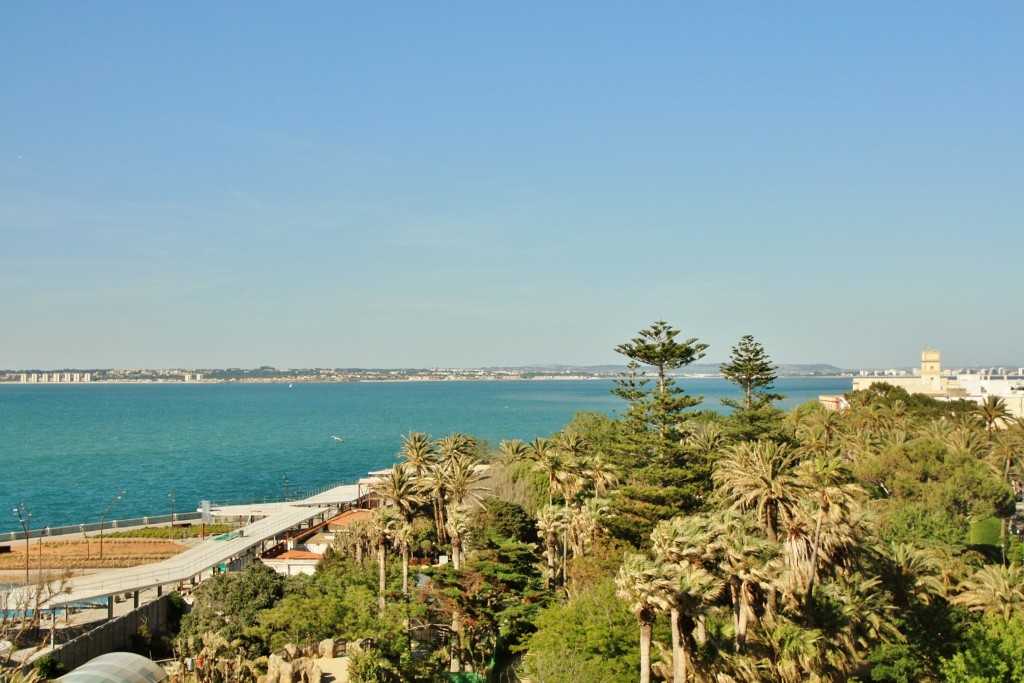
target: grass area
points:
(177, 532)
(985, 532)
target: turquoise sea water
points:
(67, 450)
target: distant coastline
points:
(15, 379)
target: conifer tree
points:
(662, 476)
(751, 368)
(632, 388)
(663, 403)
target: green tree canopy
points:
(589, 639)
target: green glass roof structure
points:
(116, 667)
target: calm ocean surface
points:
(67, 450)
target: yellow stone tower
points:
(931, 371)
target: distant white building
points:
(929, 381)
(972, 386)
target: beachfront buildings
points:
(54, 377)
(933, 381)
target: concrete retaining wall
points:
(113, 636)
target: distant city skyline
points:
(72, 375)
(467, 185)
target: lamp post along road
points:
(39, 544)
(171, 494)
(25, 517)
(103, 521)
(286, 488)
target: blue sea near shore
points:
(67, 450)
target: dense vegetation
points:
(673, 543)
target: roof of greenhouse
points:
(116, 667)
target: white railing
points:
(50, 531)
(176, 569)
(186, 565)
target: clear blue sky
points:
(198, 184)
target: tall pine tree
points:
(663, 403)
(750, 368)
(662, 477)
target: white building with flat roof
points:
(971, 386)
(929, 380)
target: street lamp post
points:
(171, 494)
(25, 517)
(46, 532)
(104, 519)
(286, 488)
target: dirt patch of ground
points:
(85, 554)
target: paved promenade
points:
(193, 562)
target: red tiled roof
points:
(347, 518)
(298, 555)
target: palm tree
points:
(994, 589)
(462, 476)
(909, 574)
(642, 583)
(692, 588)
(935, 429)
(456, 450)
(690, 591)
(568, 482)
(382, 526)
(403, 537)
(547, 460)
(750, 564)
(761, 477)
(798, 655)
(511, 451)
(457, 523)
(993, 413)
(435, 483)
(859, 443)
(551, 522)
(865, 613)
(1007, 451)
(601, 473)
(821, 429)
(456, 444)
(894, 416)
(359, 533)
(698, 540)
(830, 486)
(706, 438)
(968, 441)
(402, 488)
(572, 444)
(797, 538)
(585, 523)
(418, 450)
